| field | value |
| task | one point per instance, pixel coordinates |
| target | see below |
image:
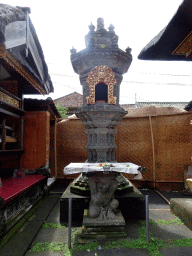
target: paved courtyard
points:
(43, 234)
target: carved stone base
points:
(80, 186)
(100, 121)
(131, 204)
(103, 229)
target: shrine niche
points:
(97, 79)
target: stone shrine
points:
(100, 67)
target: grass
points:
(53, 225)
(175, 221)
(48, 246)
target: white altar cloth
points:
(129, 168)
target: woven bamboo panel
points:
(134, 144)
(173, 141)
(71, 144)
(161, 144)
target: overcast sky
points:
(62, 24)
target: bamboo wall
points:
(71, 145)
(162, 144)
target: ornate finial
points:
(111, 28)
(73, 51)
(114, 41)
(128, 50)
(91, 27)
(100, 23)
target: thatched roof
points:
(12, 15)
(9, 14)
(168, 39)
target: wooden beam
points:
(185, 47)
(8, 113)
(10, 139)
(2, 50)
(22, 71)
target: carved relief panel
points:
(101, 74)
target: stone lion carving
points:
(103, 204)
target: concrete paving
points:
(20, 242)
(182, 207)
(115, 252)
(177, 251)
(33, 233)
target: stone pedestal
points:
(131, 203)
(100, 121)
(103, 229)
(80, 186)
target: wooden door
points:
(36, 139)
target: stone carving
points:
(97, 75)
(100, 120)
(102, 204)
(100, 24)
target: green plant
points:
(175, 221)
(48, 246)
(62, 110)
(53, 225)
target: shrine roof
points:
(19, 37)
(163, 46)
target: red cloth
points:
(13, 187)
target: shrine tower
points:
(101, 66)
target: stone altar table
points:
(128, 168)
(103, 180)
(102, 217)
